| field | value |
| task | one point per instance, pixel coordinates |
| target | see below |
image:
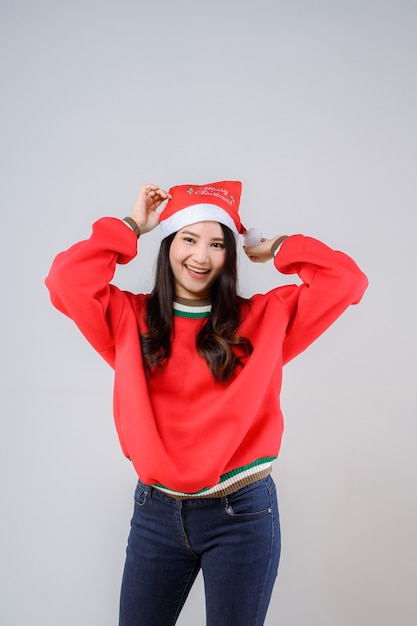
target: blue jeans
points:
(235, 540)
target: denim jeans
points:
(235, 540)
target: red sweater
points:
(181, 429)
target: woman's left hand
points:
(261, 253)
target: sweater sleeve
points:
(331, 282)
(79, 278)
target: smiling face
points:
(197, 256)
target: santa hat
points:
(215, 202)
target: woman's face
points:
(197, 256)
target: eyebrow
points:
(190, 232)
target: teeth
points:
(197, 271)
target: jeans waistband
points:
(154, 492)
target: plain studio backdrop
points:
(312, 105)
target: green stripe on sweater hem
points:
(227, 476)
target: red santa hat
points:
(214, 202)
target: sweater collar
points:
(183, 307)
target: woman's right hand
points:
(145, 211)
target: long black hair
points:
(217, 341)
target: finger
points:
(159, 194)
(247, 251)
(251, 251)
(154, 189)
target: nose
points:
(201, 254)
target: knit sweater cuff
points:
(277, 244)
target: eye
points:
(218, 245)
(188, 239)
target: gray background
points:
(312, 105)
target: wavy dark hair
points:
(217, 341)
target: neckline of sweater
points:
(184, 307)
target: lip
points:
(197, 272)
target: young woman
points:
(197, 383)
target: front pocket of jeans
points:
(247, 516)
(251, 504)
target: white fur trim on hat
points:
(196, 213)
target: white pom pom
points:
(252, 237)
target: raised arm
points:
(79, 279)
(331, 282)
